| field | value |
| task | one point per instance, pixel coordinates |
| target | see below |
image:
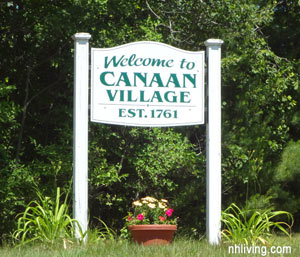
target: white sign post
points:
(213, 142)
(80, 130)
(147, 84)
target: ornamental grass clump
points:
(46, 221)
(242, 227)
(149, 210)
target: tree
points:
(37, 58)
(283, 32)
(258, 87)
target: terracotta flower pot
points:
(156, 234)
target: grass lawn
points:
(179, 248)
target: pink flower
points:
(161, 218)
(129, 218)
(169, 212)
(140, 217)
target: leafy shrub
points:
(287, 178)
(289, 167)
(258, 202)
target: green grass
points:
(179, 248)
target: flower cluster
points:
(149, 210)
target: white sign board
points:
(147, 84)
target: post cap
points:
(213, 42)
(81, 36)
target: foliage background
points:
(260, 90)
